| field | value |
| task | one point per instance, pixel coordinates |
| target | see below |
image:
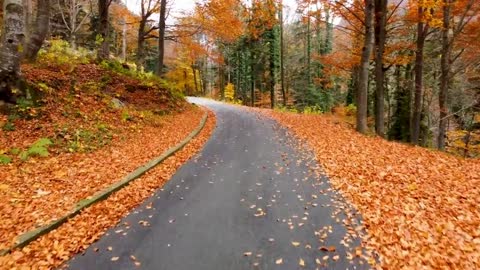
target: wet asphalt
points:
(253, 198)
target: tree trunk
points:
(271, 79)
(380, 39)
(282, 58)
(417, 106)
(221, 81)
(444, 76)
(40, 31)
(161, 37)
(124, 41)
(104, 50)
(309, 52)
(195, 78)
(362, 88)
(13, 34)
(140, 45)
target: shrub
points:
(351, 110)
(315, 109)
(60, 52)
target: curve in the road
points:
(252, 199)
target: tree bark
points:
(380, 39)
(11, 41)
(444, 75)
(161, 36)
(103, 28)
(362, 88)
(195, 78)
(140, 45)
(40, 31)
(282, 57)
(417, 106)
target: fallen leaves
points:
(420, 207)
(75, 235)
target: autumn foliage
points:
(420, 207)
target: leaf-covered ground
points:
(421, 207)
(54, 248)
(92, 143)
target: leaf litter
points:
(420, 207)
(51, 250)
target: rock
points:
(117, 103)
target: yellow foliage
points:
(229, 92)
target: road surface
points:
(252, 199)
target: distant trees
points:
(393, 61)
(407, 69)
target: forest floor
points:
(421, 208)
(88, 127)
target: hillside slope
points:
(81, 127)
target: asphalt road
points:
(252, 199)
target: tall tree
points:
(40, 30)
(11, 42)
(422, 31)
(282, 56)
(103, 52)
(380, 40)
(460, 13)
(161, 37)
(362, 87)
(147, 9)
(74, 16)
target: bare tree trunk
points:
(380, 39)
(28, 19)
(104, 50)
(417, 106)
(41, 30)
(444, 76)
(282, 57)
(362, 88)
(161, 36)
(141, 45)
(11, 40)
(124, 41)
(195, 78)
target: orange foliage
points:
(419, 207)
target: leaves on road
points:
(420, 207)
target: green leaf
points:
(4, 159)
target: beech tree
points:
(11, 43)
(103, 52)
(362, 88)
(40, 30)
(161, 37)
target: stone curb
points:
(26, 238)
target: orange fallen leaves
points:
(420, 207)
(52, 249)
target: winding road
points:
(251, 199)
